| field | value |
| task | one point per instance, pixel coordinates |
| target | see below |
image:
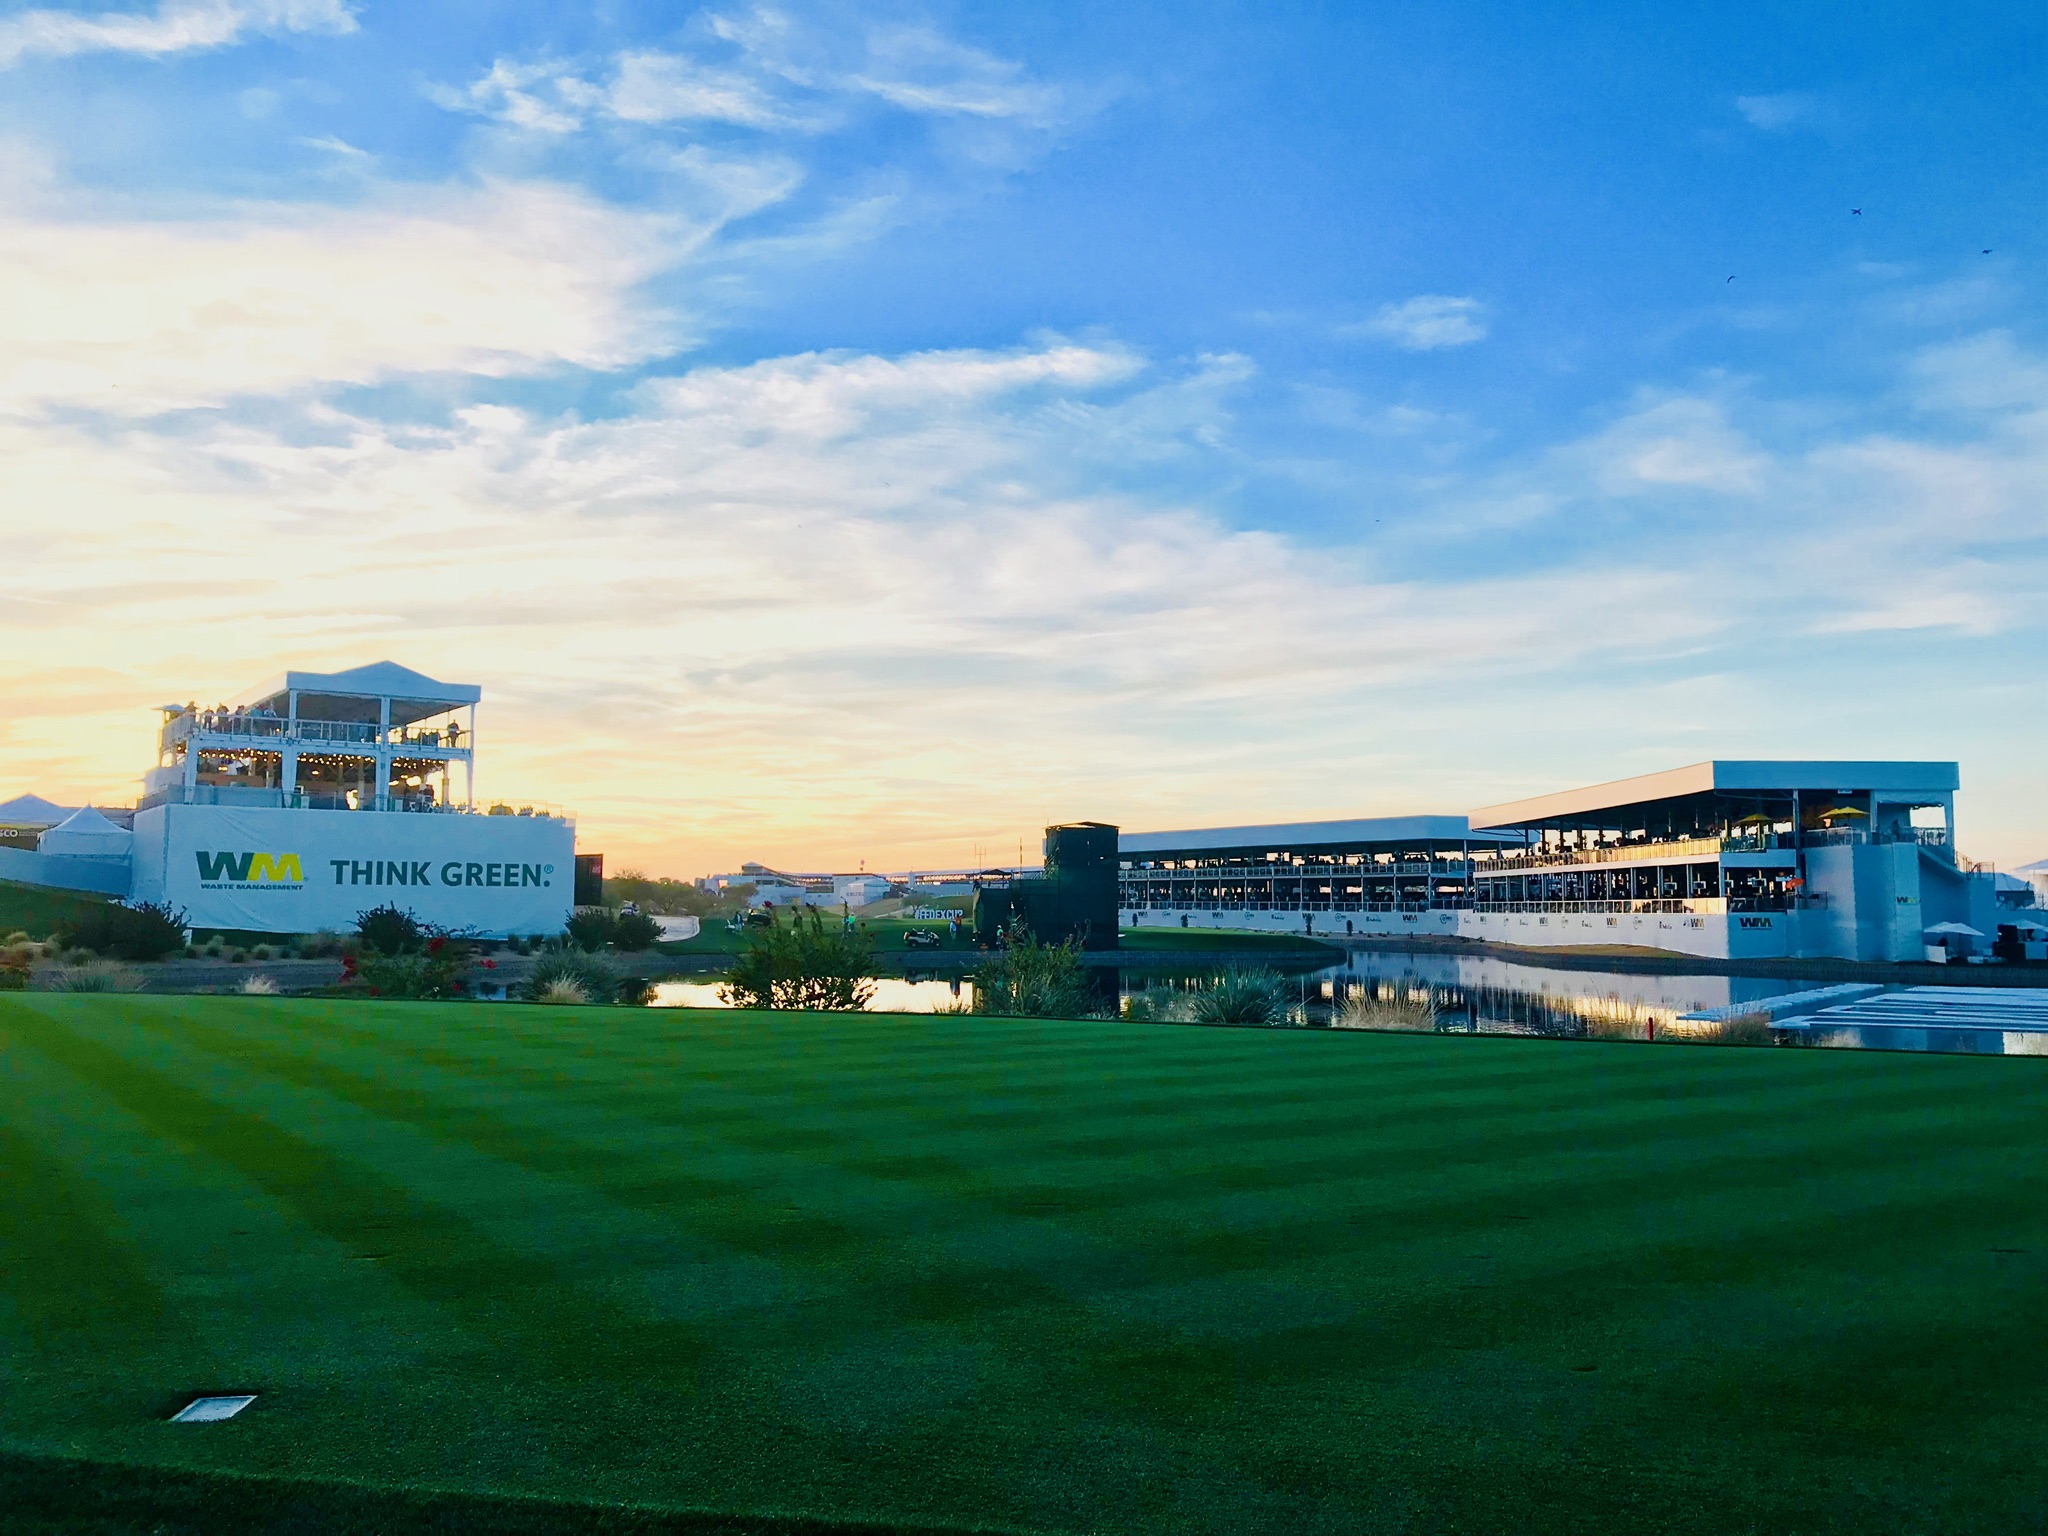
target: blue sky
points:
(878, 430)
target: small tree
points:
(635, 931)
(803, 964)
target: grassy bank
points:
(38, 910)
(1012, 1274)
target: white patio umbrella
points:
(1960, 930)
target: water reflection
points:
(893, 994)
(1473, 995)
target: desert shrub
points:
(1253, 996)
(802, 964)
(633, 991)
(593, 929)
(562, 991)
(1368, 1010)
(437, 971)
(635, 930)
(1157, 1005)
(147, 930)
(16, 969)
(318, 946)
(215, 947)
(1028, 979)
(238, 957)
(19, 936)
(96, 976)
(262, 952)
(390, 930)
(258, 986)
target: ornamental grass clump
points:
(258, 986)
(1743, 1029)
(565, 972)
(1401, 1010)
(96, 976)
(1249, 996)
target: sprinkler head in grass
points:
(210, 1410)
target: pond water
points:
(1478, 995)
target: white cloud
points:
(1679, 443)
(772, 76)
(538, 97)
(920, 71)
(650, 87)
(877, 584)
(1780, 110)
(175, 26)
(503, 279)
(1424, 323)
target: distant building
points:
(1728, 859)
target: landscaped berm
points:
(949, 1273)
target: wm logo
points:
(247, 868)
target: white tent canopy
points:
(87, 834)
(1959, 930)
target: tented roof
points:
(355, 694)
(1299, 836)
(86, 834)
(31, 811)
(1897, 782)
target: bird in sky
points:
(1986, 251)
(1731, 277)
(1857, 211)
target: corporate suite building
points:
(1854, 860)
(313, 797)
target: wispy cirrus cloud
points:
(175, 26)
(760, 70)
(1781, 109)
(1424, 323)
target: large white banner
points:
(290, 871)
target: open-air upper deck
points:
(378, 737)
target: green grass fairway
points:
(953, 1273)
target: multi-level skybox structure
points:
(1730, 859)
(381, 737)
(282, 812)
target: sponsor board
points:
(301, 871)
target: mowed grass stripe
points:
(495, 1292)
(1622, 1125)
(1446, 1284)
(75, 1278)
(1248, 1248)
